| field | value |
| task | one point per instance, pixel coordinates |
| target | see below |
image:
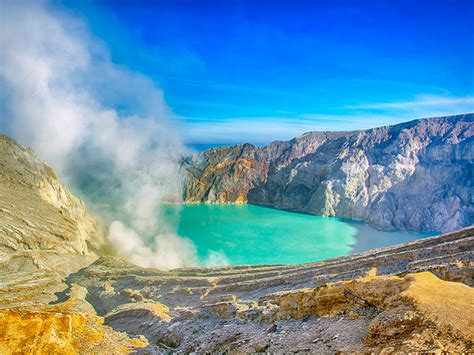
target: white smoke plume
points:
(62, 95)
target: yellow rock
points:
(69, 327)
(48, 332)
(241, 199)
(450, 305)
(417, 309)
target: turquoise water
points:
(247, 234)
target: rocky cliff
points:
(415, 176)
(58, 296)
(42, 225)
(46, 233)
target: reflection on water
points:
(368, 238)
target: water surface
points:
(247, 234)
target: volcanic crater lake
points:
(248, 234)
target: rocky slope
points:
(414, 176)
(58, 295)
(412, 297)
(45, 234)
(41, 222)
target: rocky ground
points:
(346, 304)
(413, 297)
(413, 176)
(61, 290)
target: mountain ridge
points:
(363, 175)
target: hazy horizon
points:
(246, 71)
(202, 146)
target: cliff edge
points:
(414, 176)
(42, 225)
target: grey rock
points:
(414, 176)
(40, 220)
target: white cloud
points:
(216, 258)
(260, 130)
(168, 252)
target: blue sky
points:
(255, 71)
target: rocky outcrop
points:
(41, 222)
(414, 176)
(45, 234)
(70, 327)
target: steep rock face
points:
(224, 175)
(414, 176)
(40, 220)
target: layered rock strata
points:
(412, 297)
(414, 176)
(41, 223)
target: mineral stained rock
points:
(414, 176)
(60, 294)
(412, 297)
(66, 328)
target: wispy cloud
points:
(264, 129)
(433, 102)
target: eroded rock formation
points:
(58, 295)
(415, 176)
(41, 222)
(412, 297)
